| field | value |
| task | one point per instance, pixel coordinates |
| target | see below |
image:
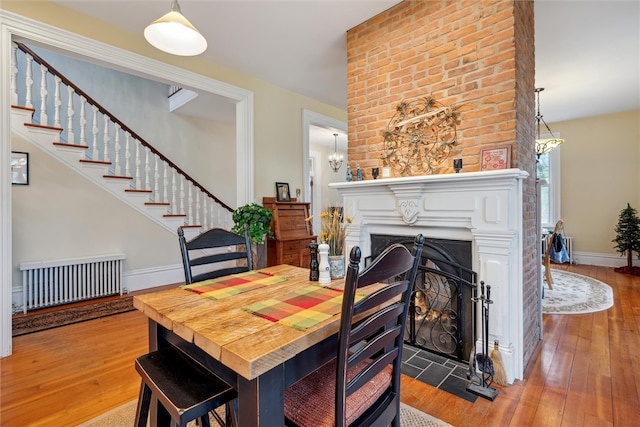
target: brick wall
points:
(459, 52)
(526, 160)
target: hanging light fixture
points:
(335, 159)
(547, 144)
(174, 34)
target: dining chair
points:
(186, 390)
(205, 257)
(361, 387)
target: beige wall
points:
(600, 174)
(278, 112)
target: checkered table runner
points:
(301, 309)
(233, 284)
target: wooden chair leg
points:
(142, 410)
(230, 409)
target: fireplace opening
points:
(441, 311)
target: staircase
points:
(99, 146)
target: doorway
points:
(319, 143)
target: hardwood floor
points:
(586, 371)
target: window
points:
(549, 176)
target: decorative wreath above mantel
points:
(420, 136)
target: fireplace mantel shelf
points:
(452, 178)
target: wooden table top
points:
(244, 342)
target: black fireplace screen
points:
(441, 311)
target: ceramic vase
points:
(336, 266)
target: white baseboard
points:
(603, 260)
(152, 277)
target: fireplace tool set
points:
(481, 369)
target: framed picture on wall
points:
(282, 192)
(495, 158)
(19, 168)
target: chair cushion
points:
(311, 401)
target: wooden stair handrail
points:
(114, 119)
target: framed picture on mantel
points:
(495, 158)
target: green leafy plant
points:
(628, 238)
(257, 218)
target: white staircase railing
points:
(106, 141)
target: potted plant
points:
(258, 220)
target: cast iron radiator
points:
(56, 282)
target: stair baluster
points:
(14, 74)
(83, 123)
(127, 156)
(105, 140)
(28, 102)
(94, 131)
(57, 102)
(70, 114)
(116, 147)
(43, 96)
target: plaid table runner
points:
(233, 284)
(301, 309)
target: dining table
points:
(259, 335)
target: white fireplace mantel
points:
(485, 208)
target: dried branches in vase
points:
(333, 229)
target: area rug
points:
(125, 414)
(575, 294)
(66, 315)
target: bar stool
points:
(185, 389)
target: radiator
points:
(567, 240)
(50, 283)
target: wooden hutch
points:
(291, 233)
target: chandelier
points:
(547, 144)
(174, 34)
(335, 159)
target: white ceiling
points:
(587, 52)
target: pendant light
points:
(548, 144)
(174, 34)
(335, 159)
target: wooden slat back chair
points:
(362, 386)
(185, 389)
(211, 265)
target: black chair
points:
(210, 260)
(185, 389)
(362, 386)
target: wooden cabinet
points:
(291, 233)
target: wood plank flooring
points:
(586, 371)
